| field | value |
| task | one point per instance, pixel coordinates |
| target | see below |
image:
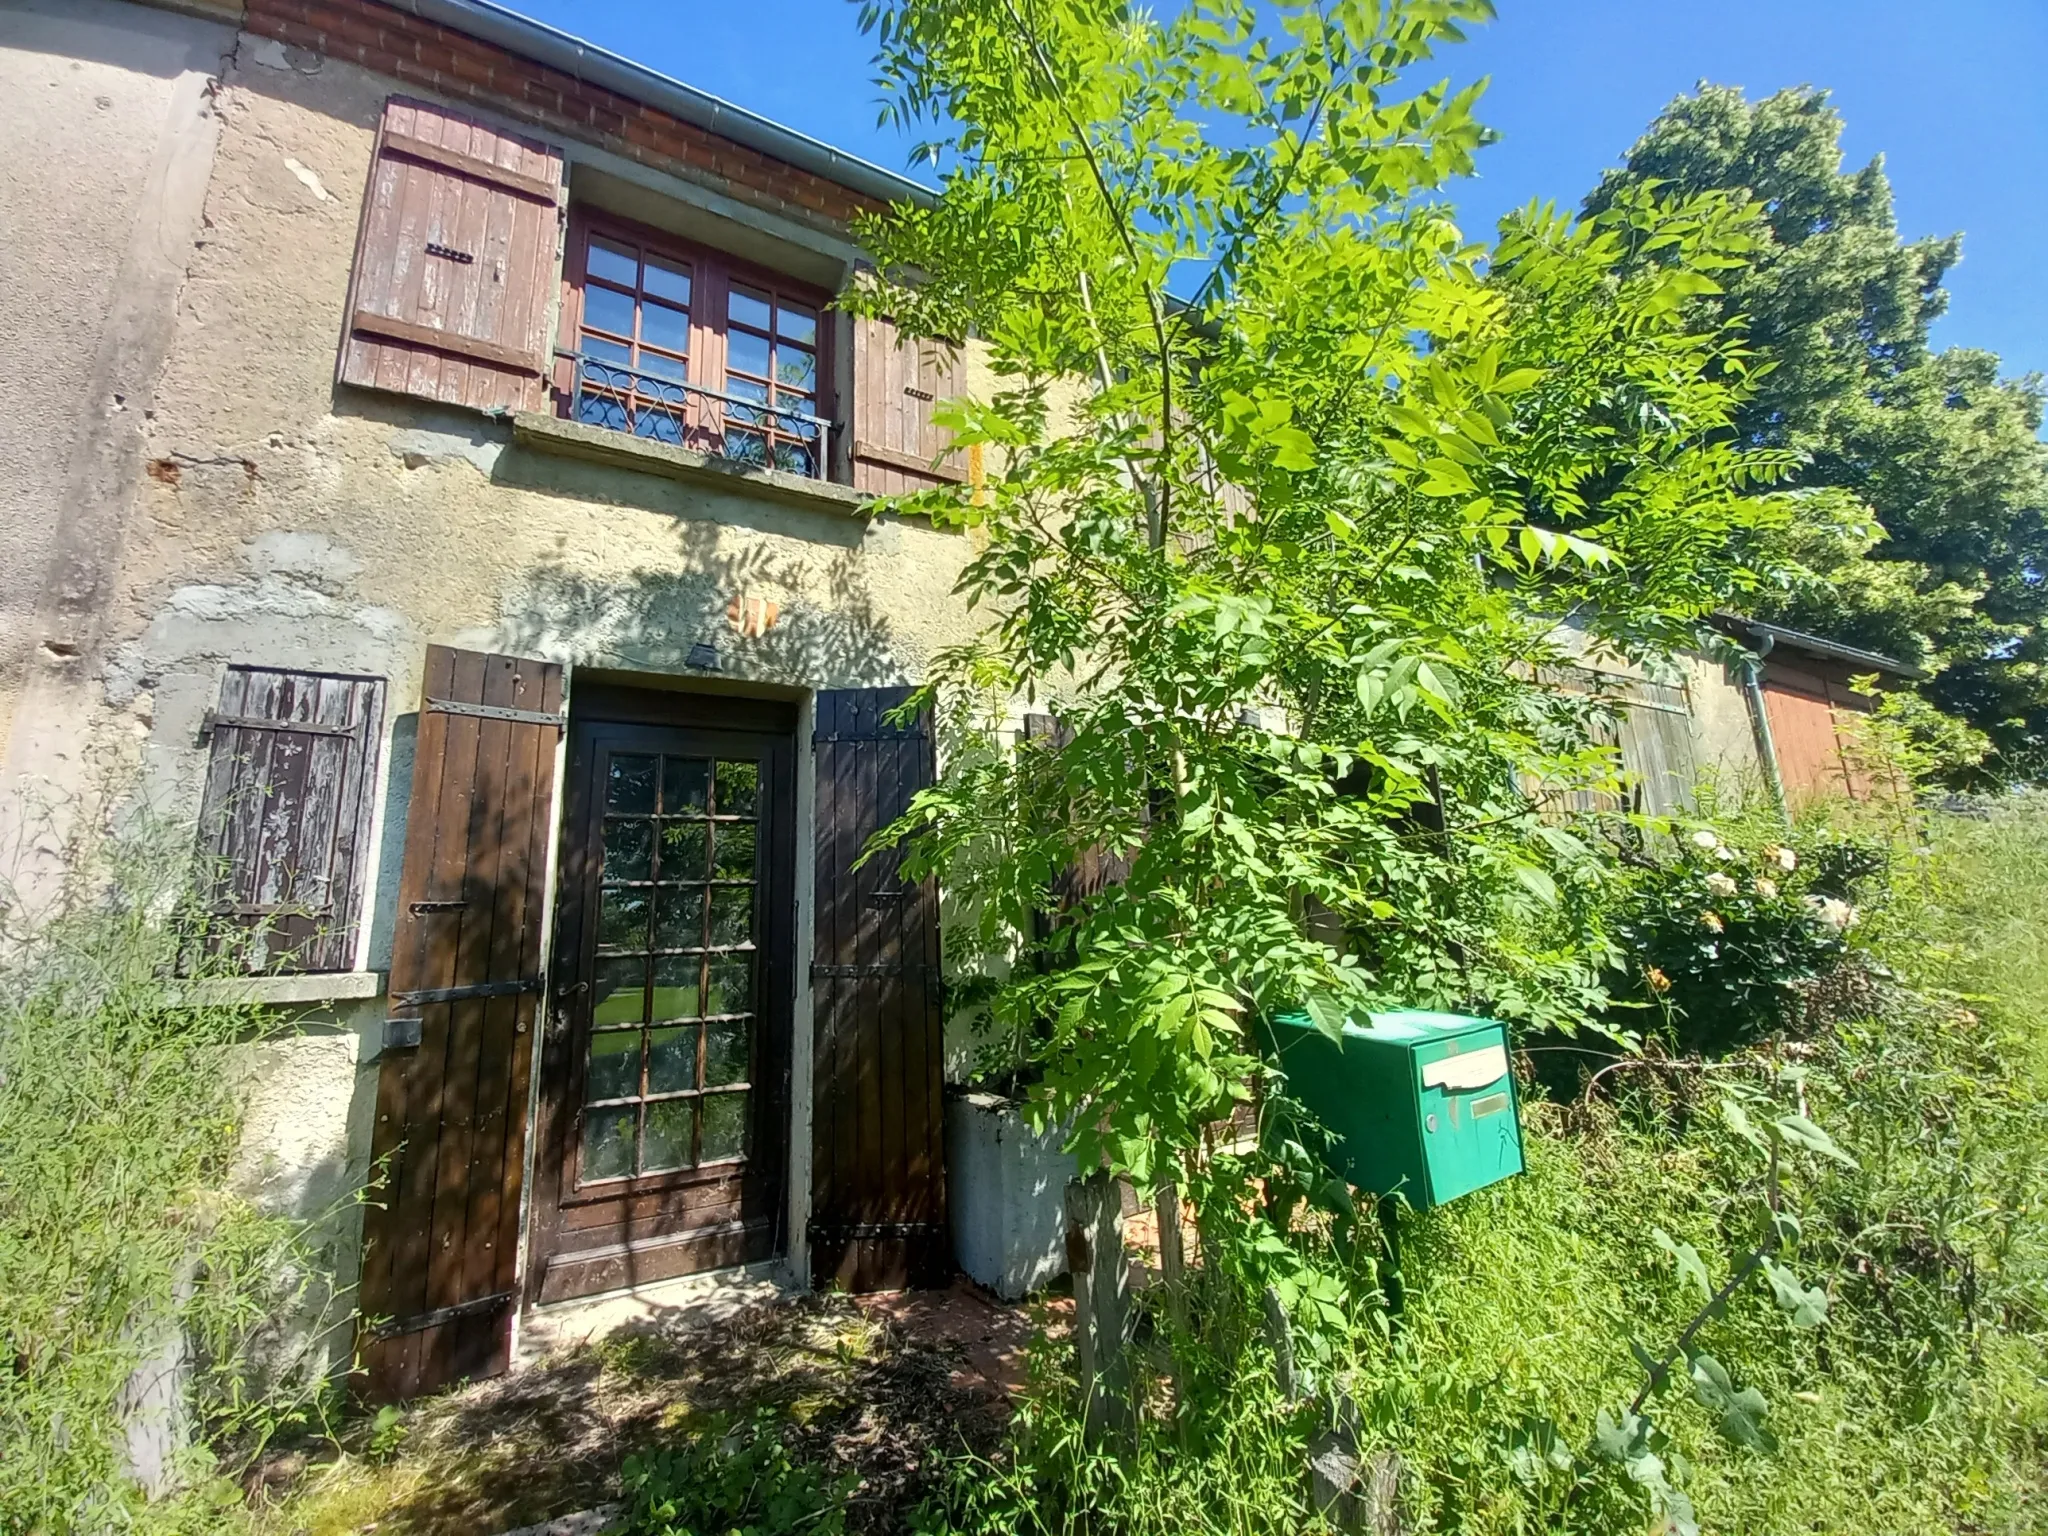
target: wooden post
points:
(1359, 1496)
(1173, 1265)
(1390, 1276)
(1280, 1335)
(1095, 1255)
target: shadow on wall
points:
(827, 632)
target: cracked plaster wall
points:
(269, 516)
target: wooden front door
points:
(665, 1082)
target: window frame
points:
(713, 274)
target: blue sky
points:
(1954, 95)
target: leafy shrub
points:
(731, 1480)
(1719, 940)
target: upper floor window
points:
(687, 346)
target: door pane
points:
(679, 917)
(605, 309)
(608, 1143)
(731, 984)
(725, 1125)
(732, 914)
(682, 850)
(614, 1066)
(733, 851)
(618, 995)
(631, 787)
(628, 850)
(668, 1135)
(685, 785)
(676, 982)
(737, 785)
(667, 280)
(725, 1052)
(672, 1059)
(618, 264)
(622, 917)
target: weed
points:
(731, 1480)
(119, 1244)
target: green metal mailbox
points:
(1420, 1104)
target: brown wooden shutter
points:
(455, 262)
(286, 815)
(1095, 868)
(878, 1179)
(440, 1247)
(896, 382)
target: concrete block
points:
(1006, 1185)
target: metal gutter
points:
(1760, 721)
(1817, 645)
(598, 66)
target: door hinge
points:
(464, 994)
(496, 712)
(423, 1320)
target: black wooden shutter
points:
(286, 815)
(878, 1178)
(440, 1245)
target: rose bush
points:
(1718, 940)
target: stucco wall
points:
(109, 135)
(268, 515)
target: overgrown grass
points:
(1920, 1405)
(119, 1243)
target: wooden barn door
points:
(878, 1181)
(440, 1243)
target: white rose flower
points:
(1786, 859)
(1833, 912)
(1705, 839)
(1720, 884)
(1768, 889)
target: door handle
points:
(571, 989)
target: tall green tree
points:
(1923, 530)
(1288, 487)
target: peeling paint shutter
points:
(878, 1204)
(455, 262)
(896, 382)
(440, 1247)
(286, 815)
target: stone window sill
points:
(598, 445)
(284, 991)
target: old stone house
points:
(432, 468)
(433, 456)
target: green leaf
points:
(1691, 1271)
(1798, 1131)
(1807, 1308)
(1536, 880)
(1517, 380)
(1446, 477)
(1740, 1411)
(1738, 1121)
(1293, 449)
(1619, 1437)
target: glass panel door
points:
(670, 1058)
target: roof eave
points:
(1820, 645)
(598, 66)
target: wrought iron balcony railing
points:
(727, 426)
